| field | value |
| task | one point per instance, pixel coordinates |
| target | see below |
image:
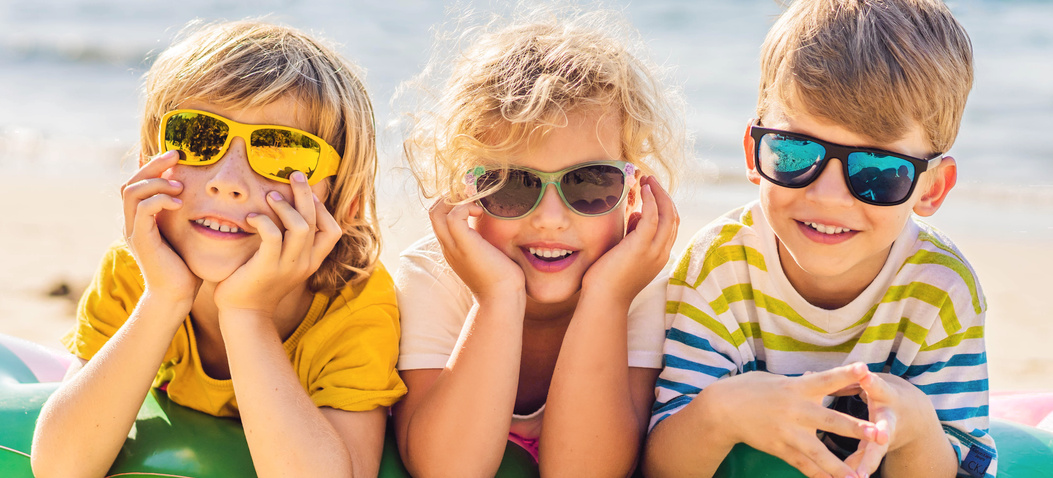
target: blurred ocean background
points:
(70, 72)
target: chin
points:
(552, 295)
(212, 270)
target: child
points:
(791, 299)
(526, 316)
(247, 284)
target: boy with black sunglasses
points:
(824, 324)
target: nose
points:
(230, 173)
(830, 187)
(551, 213)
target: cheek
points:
(498, 232)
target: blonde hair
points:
(515, 83)
(250, 64)
(875, 67)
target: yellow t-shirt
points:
(344, 352)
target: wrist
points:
(179, 304)
(707, 413)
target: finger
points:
(832, 421)
(812, 458)
(668, 218)
(872, 454)
(457, 226)
(848, 391)
(296, 230)
(824, 383)
(144, 222)
(153, 168)
(648, 224)
(437, 214)
(327, 237)
(270, 237)
(303, 198)
(134, 194)
(876, 388)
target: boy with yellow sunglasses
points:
(247, 284)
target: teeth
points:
(550, 253)
(823, 228)
(216, 227)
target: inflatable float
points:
(169, 440)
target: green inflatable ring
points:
(173, 441)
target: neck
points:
(539, 315)
(829, 292)
(287, 316)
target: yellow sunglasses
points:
(274, 152)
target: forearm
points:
(591, 424)
(688, 443)
(472, 398)
(86, 421)
(286, 433)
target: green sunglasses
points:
(593, 188)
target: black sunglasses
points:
(874, 176)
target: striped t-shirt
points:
(732, 310)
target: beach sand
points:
(53, 237)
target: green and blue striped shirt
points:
(730, 309)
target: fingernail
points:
(175, 183)
(299, 177)
(252, 215)
(316, 198)
(275, 195)
(177, 200)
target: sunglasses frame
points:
(472, 177)
(840, 151)
(328, 158)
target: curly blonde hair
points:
(873, 66)
(515, 83)
(252, 63)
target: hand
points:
(631, 264)
(145, 195)
(281, 263)
(784, 413)
(487, 271)
(883, 394)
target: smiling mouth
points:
(215, 226)
(550, 255)
(823, 228)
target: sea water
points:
(70, 73)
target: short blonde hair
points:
(875, 67)
(515, 83)
(251, 63)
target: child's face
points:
(225, 193)
(552, 226)
(831, 245)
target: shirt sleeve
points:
(434, 304)
(348, 357)
(107, 303)
(647, 324)
(699, 349)
(950, 367)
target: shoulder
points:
(733, 240)
(934, 272)
(935, 260)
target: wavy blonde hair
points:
(251, 64)
(874, 67)
(514, 83)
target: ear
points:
(631, 200)
(352, 211)
(944, 177)
(748, 149)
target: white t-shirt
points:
(434, 303)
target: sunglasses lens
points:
(880, 179)
(787, 160)
(198, 137)
(277, 153)
(594, 189)
(516, 198)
